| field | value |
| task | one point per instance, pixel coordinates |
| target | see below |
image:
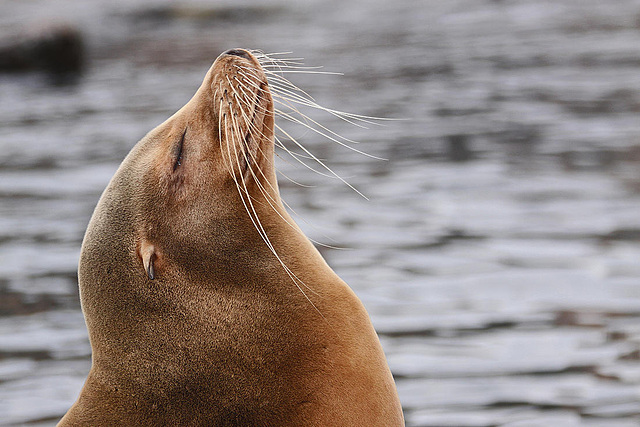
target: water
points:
(498, 253)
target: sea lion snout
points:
(238, 52)
(231, 56)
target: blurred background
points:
(498, 253)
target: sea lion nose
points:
(238, 52)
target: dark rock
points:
(58, 50)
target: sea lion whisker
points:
(281, 62)
(268, 59)
(325, 135)
(292, 210)
(286, 90)
(281, 145)
(294, 66)
(253, 105)
(310, 155)
(288, 178)
(292, 95)
(273, 76)
(258, 53)
(230, 142)
(277, 142)
(261, 54)
(293, 119)
(306, 102)
(298, 156)
(243, 190)
(293, 109)
(265, 60)
(295, 94)
(292, 153)
(322, 131)
(235, 134)
(272, 67)
(244, 89)
(353, 119)
(267, 196)
(271, 199)
(222, 116)
(255, 219)
(331, 73)
(322, 163)
(372, 120)
(248, 122)
(248, 73)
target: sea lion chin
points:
(205, 303)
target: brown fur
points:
(221, 336)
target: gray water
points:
(498, 253)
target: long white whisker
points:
(296, 156)
(268, 197)
(285, 93)
(329, 137)
(291, 180)
(293, 154)
(312, 104)
(253, 215)
(273, 76)
(292, 96)
(249, 203)
(286, 90)
(322, 163)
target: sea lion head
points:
(186, 199)
(208, 162)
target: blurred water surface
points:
(499, 253)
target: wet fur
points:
(240, 323)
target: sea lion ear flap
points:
(148, 254)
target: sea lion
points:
(205, 303)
